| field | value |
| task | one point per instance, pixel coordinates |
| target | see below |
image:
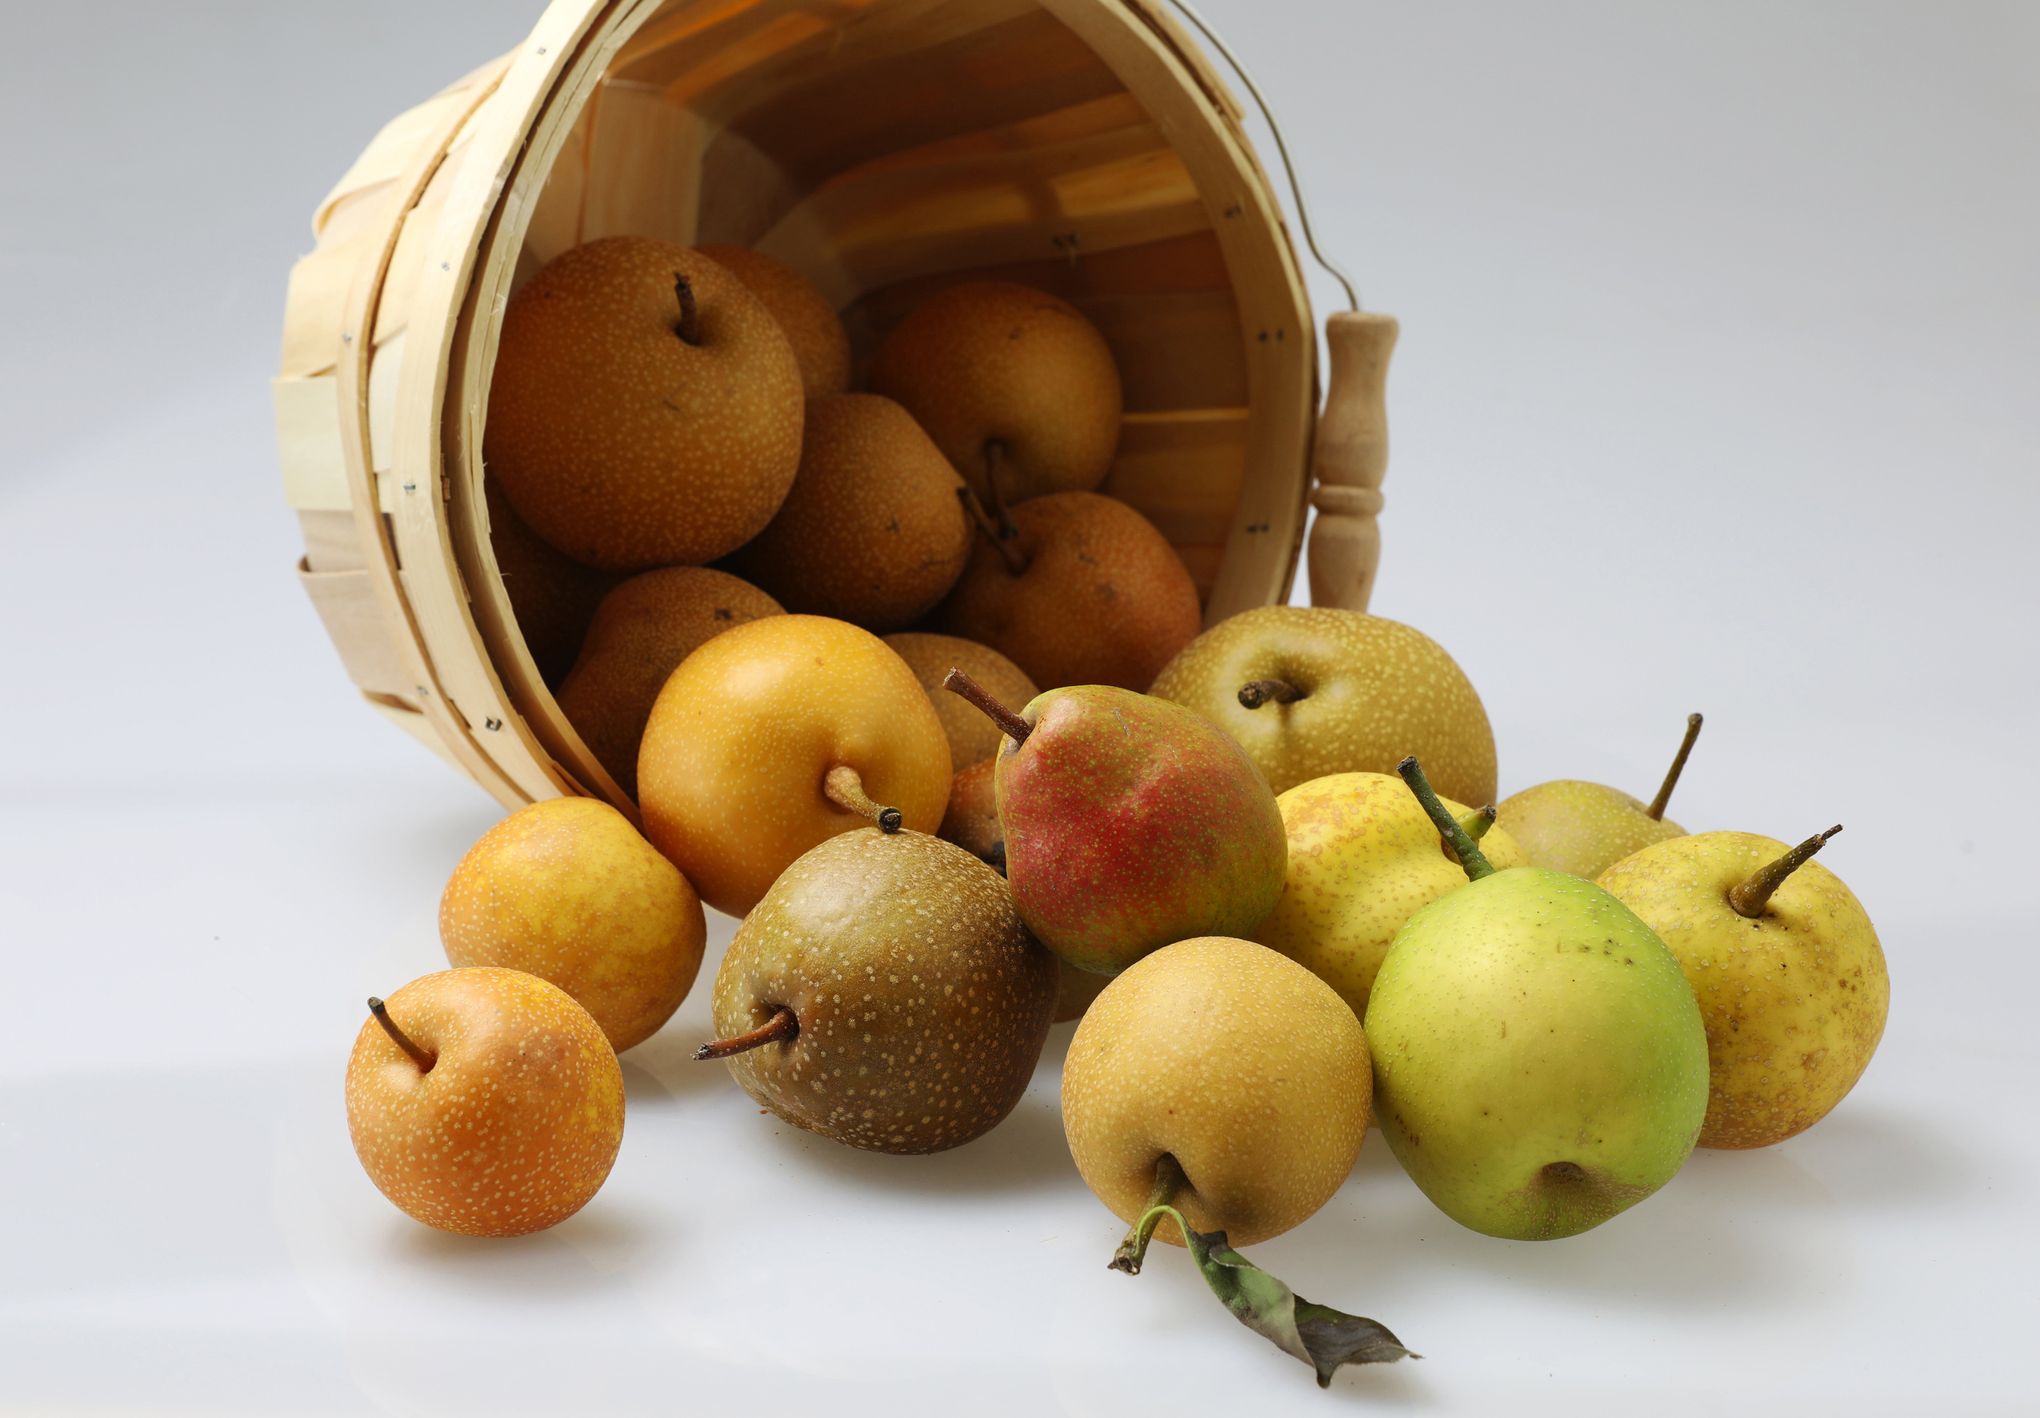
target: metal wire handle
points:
(1238, 66)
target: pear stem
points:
(975, 507)
(844, 786)
(1658, 804)
(966, 688)
(995, 457)
(1477, 823)
(1471, 860)
(397, 1036)
(1752, 896)
(689, 328)
(1169, 1180)
(782, 1026)
(1258, 692)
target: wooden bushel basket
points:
(884, 148)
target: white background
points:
(1717, 391)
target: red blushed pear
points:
(1130, 823)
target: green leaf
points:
(1321, 1336)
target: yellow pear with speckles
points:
(1310, 691)
(1363, 859)
(885, 994)
(1585, 828)
(776, 735)
(567, 890)
(1235, 1062)
(1785, 964)
(484, 1102)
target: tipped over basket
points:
(885, 148)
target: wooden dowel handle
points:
(1350, 461)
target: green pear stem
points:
(1658, 804)
(975, 508)
(689, 328)
(398, 1037)
(1751, 896)
(782, 1026)
(1477, 823)
(1258, 692)
(968, 689)
(1169, 1180)
(844, 786)
(995, 456)
(1471, 859)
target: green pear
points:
(1130, 823)
(1585, 828)
(1539, 1061)
(1787, 968)
(1363, 859)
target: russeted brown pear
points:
(885, 994)
(802, 312)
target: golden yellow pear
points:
(1234, 1061)
(1786, 966)
(777, 735)
(567, 890)
(1585, 828)
(1363, 858)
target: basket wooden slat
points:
(886, 148)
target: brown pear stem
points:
(964, 687)
(844, 786)
(689, 328)
(1656, 810)
(995, 458)
(1258, 692)
(781, 1027)
(397, 1036)
(1015, 561)
(1471, 859)
(1169, 1180)
(1753, 895)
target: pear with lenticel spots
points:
(885, 994)
(1787, 968)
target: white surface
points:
(1716, 392)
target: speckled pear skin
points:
(567, 890)
(1363, 859)
(622, 444)
(803, 313)
(1376, 691)
(730, 771)
(1132, 823)
(872, 531)
(972, 737)
(1794, 1001)
(922, 1002)
(518, 1121)
(1236, 1061)
(1539, 1061)
(642, 631)
(1581, 828)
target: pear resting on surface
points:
(1585, 828)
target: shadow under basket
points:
(885, 148)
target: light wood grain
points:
(1350, 461)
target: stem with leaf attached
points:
(398, 1037)
(781, 1027)
(1169, 1180)
(968, 689)
(1750, 897)
(844, 786)
(1471, 859)
(1658, 804)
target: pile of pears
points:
(939, 725)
